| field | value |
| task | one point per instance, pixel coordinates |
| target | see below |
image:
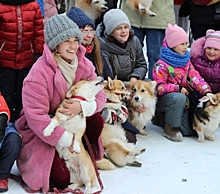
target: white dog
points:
(78, 160)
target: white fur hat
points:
(114, 18)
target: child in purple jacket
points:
(176, 80)
(205, 57)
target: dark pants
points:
(60, 176)
(8, 153)
(11, 82)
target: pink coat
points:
(43, 90)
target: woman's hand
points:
(140, 109)
(71, 107)
(133, 79)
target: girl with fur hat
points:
(205, 57)
(177, 83)
(90, 41)
(62, 64)
(123, 53)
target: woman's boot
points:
(172, 133)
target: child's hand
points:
(184, 91)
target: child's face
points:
(212, 53)
(181, 48)
(68, 48)
(121, 33)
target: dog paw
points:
(47, 131)
(211, 138)
(200, 140)
(76, 147)
(143, 133)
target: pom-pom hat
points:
(59, 28)
(175, 35)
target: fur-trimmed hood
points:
(197, 47)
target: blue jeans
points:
(154, 41)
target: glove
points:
(36, 56)
(3, 124)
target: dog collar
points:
(79, 97)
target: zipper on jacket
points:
(132, 60)
(19, 27)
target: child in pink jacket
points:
(177, 82)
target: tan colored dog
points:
(207, 119)
(93, 8)
(113, 135)
(78, 161)
(143, 6)
(144, 96)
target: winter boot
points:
(172, 133)
(158, 119)
(3, 185)
(3, 124)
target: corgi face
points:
(114, 89)
(142, 89)
(86, 88)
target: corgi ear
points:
(115, 77)
(153, 83)
(110, 83)
(69, 94)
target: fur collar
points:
(197, 47)
(15, 2)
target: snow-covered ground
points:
(168, 167)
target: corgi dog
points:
(113, 135)
(207, 118)
(77, 159)
(92, 8)
(143, 95)
(143, 6)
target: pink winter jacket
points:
(171, 79)
(43, 90)
(209, 70)
(50, 9)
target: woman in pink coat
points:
(62, 64)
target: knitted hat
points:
(59, 28)
(212, 39)
(80, 18)
(175, 35)
(114, 18)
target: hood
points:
(15, 2)
(197, 47)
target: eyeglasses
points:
(86, 32)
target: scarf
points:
(174, 59)
(68, 70)
(89, 48)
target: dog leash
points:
(94, 163)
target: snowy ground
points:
(187, 167)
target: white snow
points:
(168, 167)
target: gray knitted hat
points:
(114, 18)
(59, 28)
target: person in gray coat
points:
(123, 53)
(121, 49)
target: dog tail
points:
(105, 164)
